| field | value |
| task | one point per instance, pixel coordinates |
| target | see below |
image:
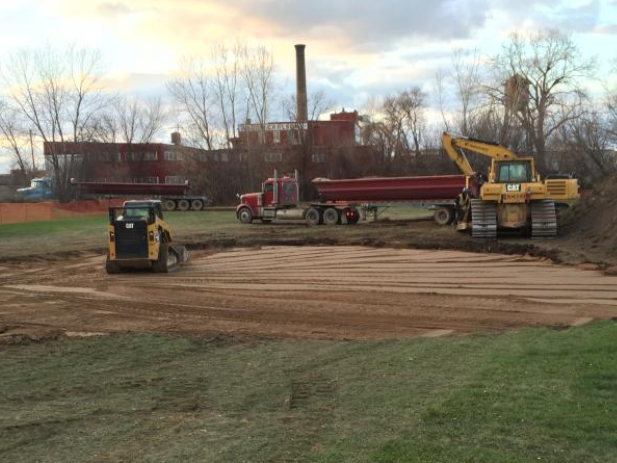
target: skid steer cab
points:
(139, 238)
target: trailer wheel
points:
(169, 205)
(330, 216)
(183, 205)
(197, 205)
(312, 216)
(443, 215)
(245, 215)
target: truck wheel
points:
(352, 216)
(169, 205)
(312, 216)
(245, 215)
(330, 216)
(197, 205)
(443, 216)
(183, 205)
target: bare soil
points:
(323, 292)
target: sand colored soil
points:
(345, 292)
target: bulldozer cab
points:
(518, 171)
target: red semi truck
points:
(340, 201)
(173, 196)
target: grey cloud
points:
(371, 23)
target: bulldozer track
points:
(543, 219)
(483, 219)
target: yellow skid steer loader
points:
(138, 237)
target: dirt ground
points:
(343, 292)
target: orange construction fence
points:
(50, 210)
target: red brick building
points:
(124, 162)
(340, 130)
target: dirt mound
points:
(19, 334)
(593, 221)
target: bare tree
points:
(227, 85)
(440, 91)
(194, 91)
(15, 140)
(318, 104)
(139, 121)
(466, 67)
(412, 104)
(56, 93)
(551, 68)
(258, 77)
(611, 108)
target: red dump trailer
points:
(173, 196)
(340, 200)
(396, 189)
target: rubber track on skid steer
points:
(543, 218)
(483, 219)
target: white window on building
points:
(174, 179)
(275, 156)
(173, 156)
(142, 156)
(146, 180)
(276, 137)
(221, 156)
(292, 137)
(243, 157)
(318, 157)
(108, 157)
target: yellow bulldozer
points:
(512, 196)
(139, 238)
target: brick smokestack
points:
(301, 95)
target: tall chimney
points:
(176, 138)
(301, 96)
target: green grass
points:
(83, 233)
(89, 233)
(533, 395)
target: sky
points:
(355, 49)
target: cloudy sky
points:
(355, 48)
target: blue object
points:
(39, 189)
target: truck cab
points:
(39, 189)
(276, 193)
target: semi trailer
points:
(173, 196)
(341, 201)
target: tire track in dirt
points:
(310, 292)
